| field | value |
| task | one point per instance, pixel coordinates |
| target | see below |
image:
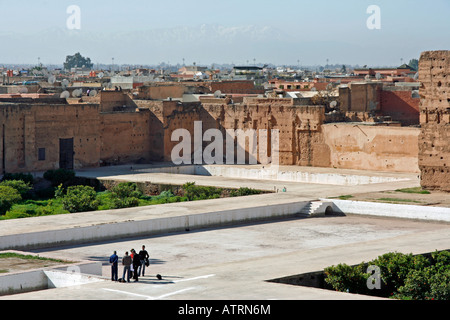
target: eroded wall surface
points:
(377, 148)
(119, 130)
(434, 146)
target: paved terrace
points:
(16, 234)
(235, 262)
(145, 173)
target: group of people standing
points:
(133, 265)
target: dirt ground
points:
(435, 198)
(8, 265)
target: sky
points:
(281, 32)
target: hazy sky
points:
(226, 31)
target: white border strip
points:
(391, 210)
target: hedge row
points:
(403, 276)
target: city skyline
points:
(232, 32)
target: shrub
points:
(441, 260)
(404, 276)
(21, 186)
(59, 191)
(80, 199)
(125, 195)
(25, 177)
(193, 192)
(440, 286)
(395, 268)
(426, 285)
(8, 197)
(59, 176)
(347, 278)
(241, 192)
(163, 195)
(126, 190)
(128, 202)
(429, 283)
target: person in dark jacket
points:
(144, 259)
(136, 264)
(114, 261)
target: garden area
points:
(19, 198)
(392, 275)
(403, 276)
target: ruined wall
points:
(361, 97)
(156, 127)
(165, 90)
(236, 87)
(304, 139)
(299, 126)
(376, 148)
(98, 138)
(125, 137)
(400, 105)
(28, 128)
(434, 146)
(114, 100)
(142, 132)
(161, 92)
(364, 102)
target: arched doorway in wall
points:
(329, 211)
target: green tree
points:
(21, 186)
(125, 195)
(404, 276)
(26, 177)
(429, 283)
(347, 278)
(80, 199)
(193, 192)
(77, 60)
(126, 190)
(8, 197)
(414, 63)
(241, 192)
(395, 268)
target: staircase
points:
(316, 208)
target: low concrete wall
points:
(42, 279)
(243, 215)
(63, 279)
(22, 282)
(391, 210)
(269, 173)
(148, 227)
(79, 235)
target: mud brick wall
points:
(434, 146)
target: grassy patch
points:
(27, 257)
(397, 200)
(35, 208)
(344, 197)
(124, 197)
(3, 271)
(417, 190)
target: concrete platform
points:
(235, 263)
(103, 225)
(85, 227)
(230, 259)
